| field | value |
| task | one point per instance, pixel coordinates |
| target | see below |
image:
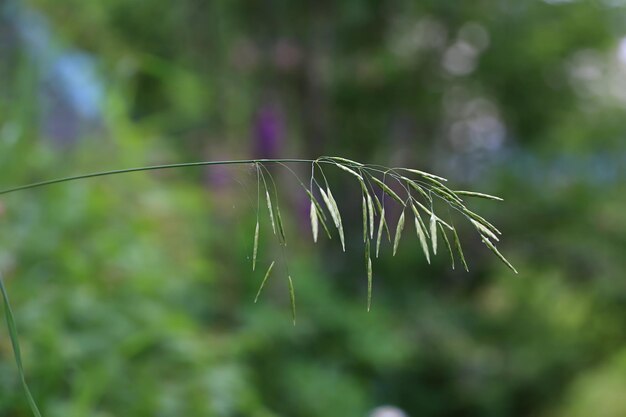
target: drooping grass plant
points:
(416, 192)
(8, 314)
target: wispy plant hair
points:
(416, 192)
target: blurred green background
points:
(134, 294)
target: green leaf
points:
(399, 228)
(417, 215)
(434, 180)
(267, 275)
(424, 174)
(8, 314)
(381, 210)
(256, 244)
(381, 223)
(484, 231)
(321, 216)
(459, 249)
(364, 207)
(370, 207)
(417, 188)
(433, 232)
(445, 238)
(269, 208)
(481, 220)
(368, 266)
(349, 161)
(292, 298)
(431, 213)
(352, 172)
(314, 221)
(491, 246)
(421, 234)
(331, 204)
(447, 194)
(324, 226)
(340, 227)
(387, 190)
(479, 195)
(281, 228)
(317, 204)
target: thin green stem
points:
(150, 168)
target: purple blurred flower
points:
(269, 127)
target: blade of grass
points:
(314, 221)
(447, 194)
(321, 216)
(8, 315)
(387, 190)
(324, 226)
(423, 174)
(422, 238)
(399, 228)
(267, 275)
(336, 208)
(365, 220)
(417, 188)
(292, 299)
(281, 228)
(317, 204)
(481, 220)
(459, 249)
(495, 250)
(433, 231)
(445, 239)
(331, 204)
(370, 209)
(350, 171)
(431, 213)
(479, 195)
(346, 160)
(420, 229)
(381, 210)
(379, 236)
(256, 244)
(368, 266)
(484, 231)
(269, 208)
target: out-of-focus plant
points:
(418, 192)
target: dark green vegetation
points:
(133, 294)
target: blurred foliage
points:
(133, 294)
